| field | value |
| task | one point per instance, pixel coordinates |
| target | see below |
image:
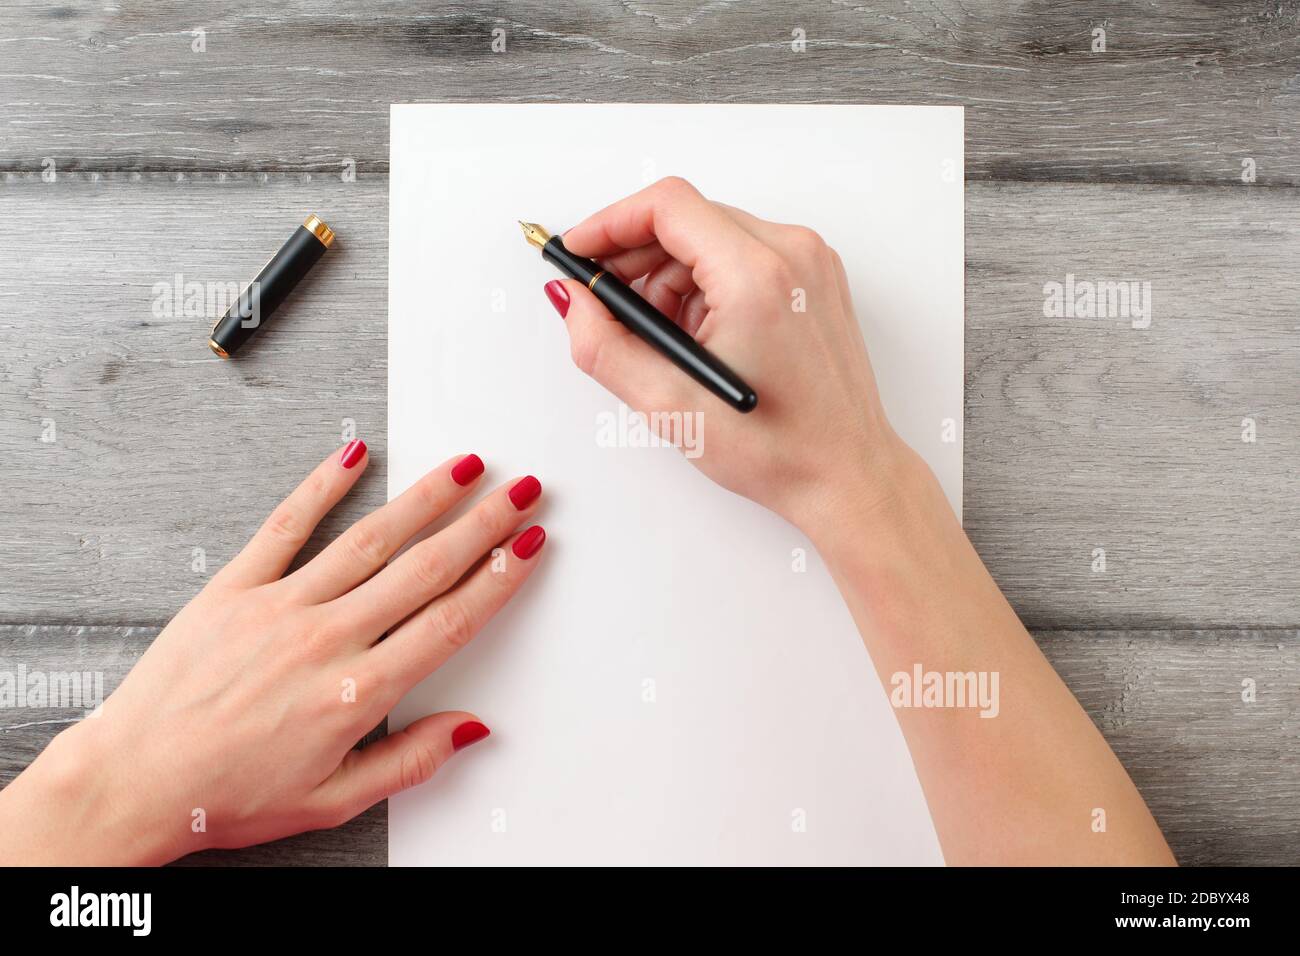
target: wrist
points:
(911, 578)
(889, 537)
(880, 503)
(73, 806)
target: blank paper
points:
(669, 687)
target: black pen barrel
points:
(575, 267)
(673, 341)
(654, 327)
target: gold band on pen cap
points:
(316, 226)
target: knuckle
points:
(452, 623)
(320, 640)
(417, 766)
(367, 546)
(674, 186)
(286, 526)
(504, 576)
(807, 241)
(432, 571)
(429, 493)
(487, 521)
(317, 487)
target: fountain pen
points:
(661, 332)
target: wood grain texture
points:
(1080, 433)
(1219, 774)
(1088, 433)
(1183, 92)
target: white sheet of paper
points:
(667, 688)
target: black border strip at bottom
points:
(333, 905)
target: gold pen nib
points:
(535, 234)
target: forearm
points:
(1030, 782)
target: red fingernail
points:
(525, 492)
(559, 296)
(470, 732)
(467, 469)
(353, 452)
(530, 542)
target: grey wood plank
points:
(1080, 433)
(1088, 433)
(147, 419)
(1222, 776)
(1182, 92)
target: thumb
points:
(402, 760)
(610, 353)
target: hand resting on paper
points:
(1027, 781)
(237, 726)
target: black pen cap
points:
(267, 292)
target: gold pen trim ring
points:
(591, 286)
(316, 226)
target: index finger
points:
(672, 211)
(272, 549)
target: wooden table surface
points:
(146, 141)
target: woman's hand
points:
(237, 725)
(770, 300)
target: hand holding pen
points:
(645, 321)
(769, 300)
